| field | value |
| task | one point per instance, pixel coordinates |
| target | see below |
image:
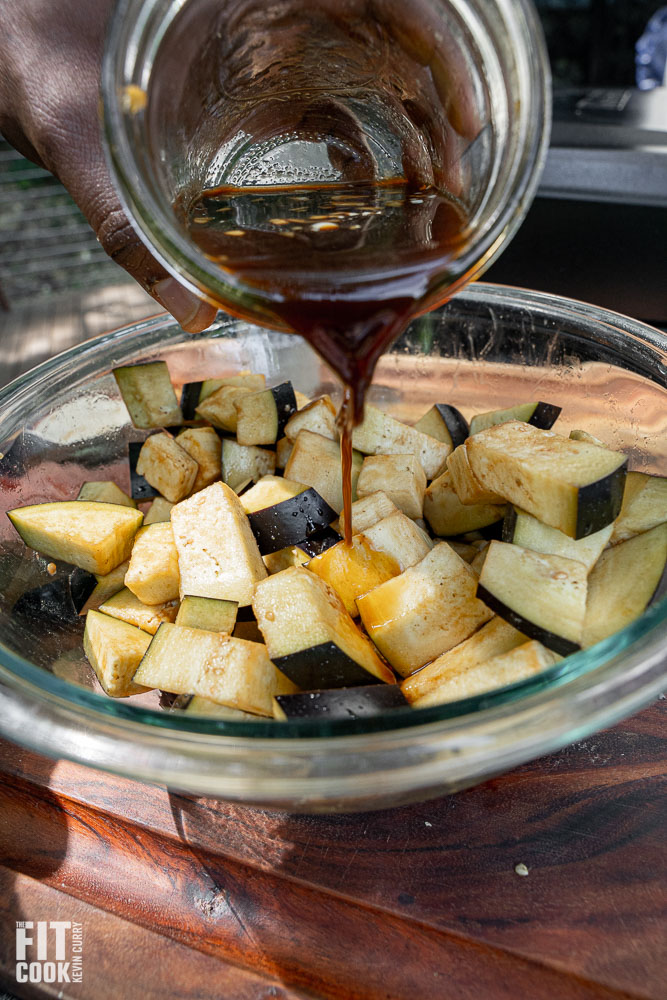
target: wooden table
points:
(194, 898)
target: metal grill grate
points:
(46, 245)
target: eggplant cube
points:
(283, 452)
(153, 575)
(399, 537)
(167, 467)
(444, 423)
(269, 491)
(570, 485)
(318, 416)
(207, 613)
(219, 408)
(340, 703)
(217, 552)
(401, 477)
(241, 463)
(316, 460)
(203, 445)
(290, 521)
(622, 583)
(262, 416)
(544, 596)
(498, 671)
(525, 530)
(380, 434)
(430, 685)
(114, 650)
(128, 608)
(542, 415)
(213, 665)
(149, 395)
(368, 510)
(309, 634)
(105, 492)
(448, 516)
(467, 486)
(93, 536)
(644, 506)
(159, 510)
(352, 570)
(425, 611)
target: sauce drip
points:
(346, 265)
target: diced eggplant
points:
(213, 665)
(444, 423)
(249, 380)
(219, 408)
(217, 551)
(128, 608)
(208, 613)
(268, 491)
(399, 537)
(380, 434)
(153, 574)
(570, 485)
(318, 416)
(340, 703)
(525, 530)
(578, 435)
(425, 611)
(93, 536)
(316, 460)
(622, 583)
(352, 570)
(310, 636)
(105, 492)
(149, 395)
(447, 516)
(432, 684)
(59, 601)
(107, 585)
(368, 510)
(468, 488)
(196, 705)
(140, 488)
(241, 463)
(499, 671)
(283, 452)
(401, 477)
(262, 416)
(114, 650)
(320, 542)
(288, 522)
(543, 415)
(276, 562)
(203, 445)
(644, 506)
(190, 394)
(159, 510)
(167, 467)
(543, 596)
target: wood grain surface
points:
(422, 901)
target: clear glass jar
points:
(64, 422)
(198, 93)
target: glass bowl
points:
(64, 422)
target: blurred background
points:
(597, 230)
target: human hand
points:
(50, 61)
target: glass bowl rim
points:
(36, 683)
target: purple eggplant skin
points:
(290, 521)
(190, 394)
(534, 631)
(140, 489)
(285, 400)
(320, 542)
(545, 415)
(456, 424)
(323, 666)
(342, 703)
(599, 503)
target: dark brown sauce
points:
(344, 265)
